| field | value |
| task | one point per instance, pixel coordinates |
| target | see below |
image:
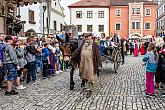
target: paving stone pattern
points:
(122, 91)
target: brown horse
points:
(75, 47)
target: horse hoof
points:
(71, 87)
(83, 84)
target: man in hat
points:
(11, 62)
(90, 63)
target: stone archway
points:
(135, 36)
(30, 33)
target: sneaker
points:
(61, 71)
(12, 92)
(53, 74)
(21, 87)
(163, 94)
(57, 72)
(147, 94)
(152, 95)
(44, 77)
(89, 94)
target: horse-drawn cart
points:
(113, 55)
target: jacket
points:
(10, 55)
(151, 62)
(30, 53)
(76, 56)
(20, 56)
(161, 62)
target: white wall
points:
(59, 20)
(56, 15)
(95, 21)
(2, 25)
(24, 12)
(65, 4)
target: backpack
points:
(2, 52)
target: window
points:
(31, 17)
(118, 12)
(148, 12)
(55, 26)
(61, 27)
(79, 28)
(135, 10)
(101, 28)
(89, 28)
(118, 26)
(135, 25)
(89, 14)
(101, 14)
(78, 14)
(147, 25)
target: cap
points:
(8, 38)
(14, 38)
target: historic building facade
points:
(43, 18)
(9, 9)
(90, 16)
(160, 21)
(132, 19)
(125, 18)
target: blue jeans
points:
(102, 49)
(1, 71)
(31, 75)
(39, 63)
(11, 72)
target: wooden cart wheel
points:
(117, 61)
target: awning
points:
(148, 37)
(134, 37)
(24, 2)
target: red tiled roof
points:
(125, 2)
(91, 3)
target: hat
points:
(14, 38)
(50, 47)
(8, 38)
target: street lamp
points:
(44, 9)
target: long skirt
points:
(136, 51)
(143, 52)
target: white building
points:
(161, 19)
(57, 17)
(10, 7)
(90, 16)
(33, 15)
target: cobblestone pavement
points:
(122, 91)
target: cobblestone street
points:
(122, 91)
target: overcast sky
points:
(64, 4)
